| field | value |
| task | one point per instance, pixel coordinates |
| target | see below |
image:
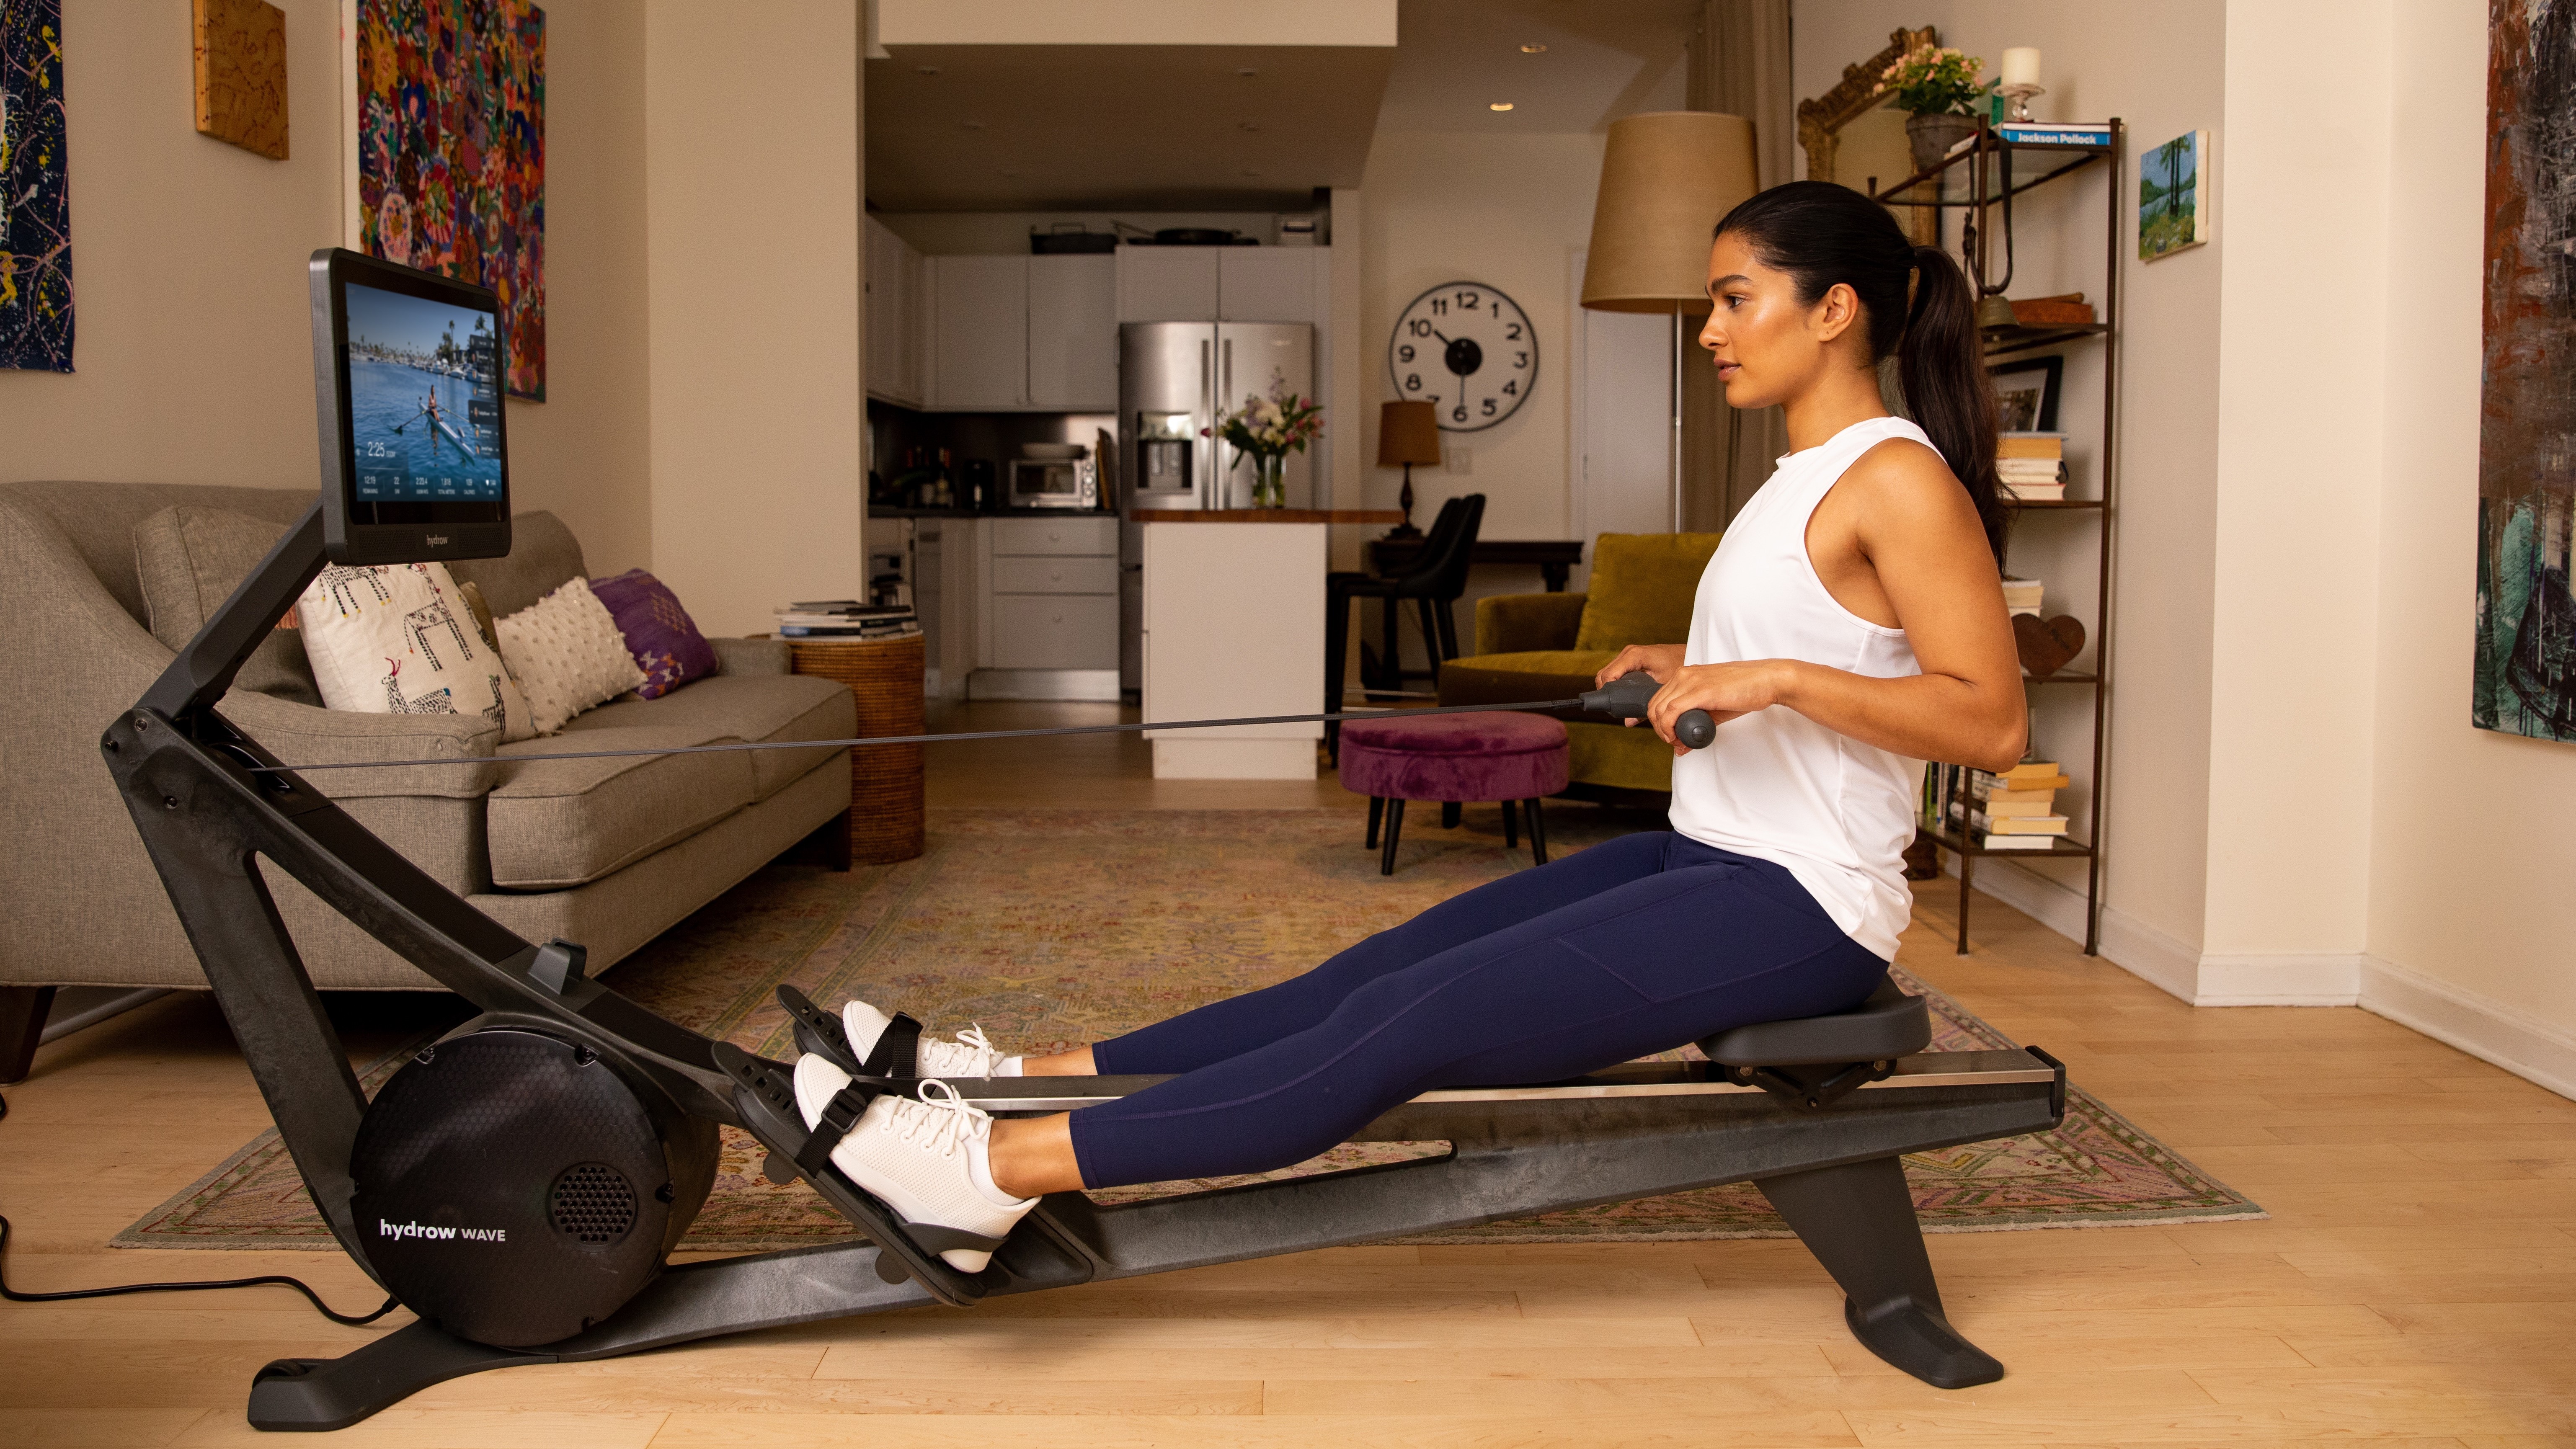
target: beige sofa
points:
(604, 852)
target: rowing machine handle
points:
(1627, 697)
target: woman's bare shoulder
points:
(1903, 477)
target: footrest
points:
(765, 1095)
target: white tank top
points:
(1777, 786)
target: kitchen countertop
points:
(1267, 515)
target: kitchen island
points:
(1234, 625)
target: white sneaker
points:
(930, 1160)
(968, 1056)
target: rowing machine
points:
(522, 1182)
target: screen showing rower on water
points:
(424, 399)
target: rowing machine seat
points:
(1889, 1024)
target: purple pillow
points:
(666, 644)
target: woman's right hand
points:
(1662, 661)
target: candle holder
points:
(2018, 95)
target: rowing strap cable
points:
(1100, 729)
(298, 1284)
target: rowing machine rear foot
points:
(1922, 1342)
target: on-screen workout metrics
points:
(424, 399)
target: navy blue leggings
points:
(1631, 947)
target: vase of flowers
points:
(1267, 430)
(1935, 85)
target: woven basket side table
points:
(885, 680)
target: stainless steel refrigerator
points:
(1174, 378)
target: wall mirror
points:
(1854, 136)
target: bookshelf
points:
(1984, 164)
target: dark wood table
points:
(1554, 557)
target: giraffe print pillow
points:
(399, 639)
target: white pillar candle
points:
(2021, 66)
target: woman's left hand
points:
(1726, 691)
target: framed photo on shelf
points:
(2026, 394)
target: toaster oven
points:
(1053, 483)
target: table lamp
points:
(1665, 180)
(1407, 433)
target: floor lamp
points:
(1665, 180)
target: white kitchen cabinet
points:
(1049, 621)
(895, 311)
(1265, 284)
(980, 332)
(1073, 332)
(1167, 284)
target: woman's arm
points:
(1896, 541)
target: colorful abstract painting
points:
(452, 153)
(2526, 618)
(35, 190)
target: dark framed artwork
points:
(2525, 676)
(35, 191)
(2026, 394)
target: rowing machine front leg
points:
(1858, 1219)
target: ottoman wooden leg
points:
(1451, 812)
(1377, 811)
(1511, 829)
(1394, 828)
(1538, 832)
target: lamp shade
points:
(1407, 432)
(1665, 180)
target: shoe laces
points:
(973, 1036)
(941, 1123)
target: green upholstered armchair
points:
(1548, 646)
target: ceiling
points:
(985, 127)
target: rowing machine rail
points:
(215, 809)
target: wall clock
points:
(1467, 350)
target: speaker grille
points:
(594, 1204)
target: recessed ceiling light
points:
(929, 70)
(1247, 72)
(1533, 50)
(1500, 106)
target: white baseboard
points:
(2487, 1029)
(2170, 965)
(2535, 1050)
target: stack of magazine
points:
(846, 619)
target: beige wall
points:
(753, 187)
(2469, 934)
(194, 346)
(194, 351)
(2158, 69)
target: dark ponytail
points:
(1820, 234)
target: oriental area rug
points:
(1055, 927)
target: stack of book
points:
(2032, 466)
(846, 619)
(2021, 596)
(2014, 810)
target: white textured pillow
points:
(567, 654)
(398, 639)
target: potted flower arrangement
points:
(1935, 84)
(1267, 430)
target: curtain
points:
(1739, 65)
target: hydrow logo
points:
(438, 540)
(439, 1235)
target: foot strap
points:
(839, 1115)
(897, 1052)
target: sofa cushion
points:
(1642, 589)
(544, 556)
(188, 561)
(552, 824)
(1521, 678)
(567, 654)
(745, 707)
(659, 633)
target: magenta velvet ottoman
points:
(1512, 758)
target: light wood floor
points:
(2416, 1284)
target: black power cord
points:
(297, 1284)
